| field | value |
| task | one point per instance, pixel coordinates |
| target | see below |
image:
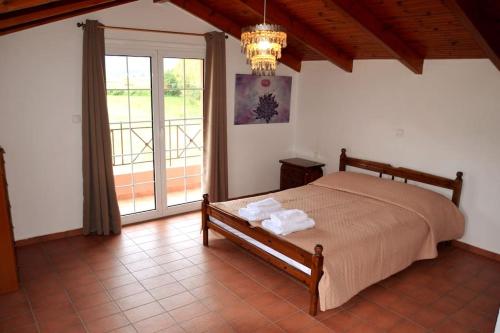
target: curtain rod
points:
(82, 25)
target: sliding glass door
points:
(155, 107)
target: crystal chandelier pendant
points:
(262, 44)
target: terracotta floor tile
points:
(210, 289)
(92, 300)
(125, 329)
(17, 322)
(133, 301)
(245, 287)
(106, 265)
(24, 329)
(149, 273)
(203, 323)
(298, 322)
(271, 328)
(449, 326)
(342, 321)
(107, 324)
(159, 251)
(196, 281)
(278, 310)
(317, 328)
(99, 311)
(167, 290)
(168, 257)
(263, 300)
(365, 327)
(221, 301)
(58, 324)
(380, 295)
(486, 304)
(428, 317)
(85, 290)
(141, 264)
(404, 306)
(126, 290)
(55, 299)
(300, 299)
(157, 281)
(447, 305)
(189, 311)
(376, 315)
(14, 310)
(119, 281)
(462, 294)
(134, 257)
(144, 311)
(112, 272)
(54, 312)
(473, 320)
(187, 272)
(177, 265)
(177, 301)
(405, 326)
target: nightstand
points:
(298, 172)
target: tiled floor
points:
(156, 277)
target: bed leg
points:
(316, 273)
(204, 219)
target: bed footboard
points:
(313, 261)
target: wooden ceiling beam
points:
(302, 31)
(372, 25)
(227, 25)
(12, 5)
(50, 12)
(483, 30)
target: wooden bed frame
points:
(312, 260)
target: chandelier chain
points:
(265, 8)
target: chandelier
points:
(262, 44)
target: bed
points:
(367, 227)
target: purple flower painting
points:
(262, 99)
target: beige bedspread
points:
(370, 228)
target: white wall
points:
(40, 90)
(450, 116)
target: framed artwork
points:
(262, 99)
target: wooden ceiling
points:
(335, 30)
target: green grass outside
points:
(140, 107)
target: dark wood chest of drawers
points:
(298, 172)
(8, 269)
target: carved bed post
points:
(343, 158)
(204, 219)
(457, 191)
(316, 273)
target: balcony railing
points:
(132, 142)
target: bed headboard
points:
(386, 169)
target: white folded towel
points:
(288, 216)
(266, 203)
(287, 228)
(257, 214)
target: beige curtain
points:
(101, 214)
(214, 118)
